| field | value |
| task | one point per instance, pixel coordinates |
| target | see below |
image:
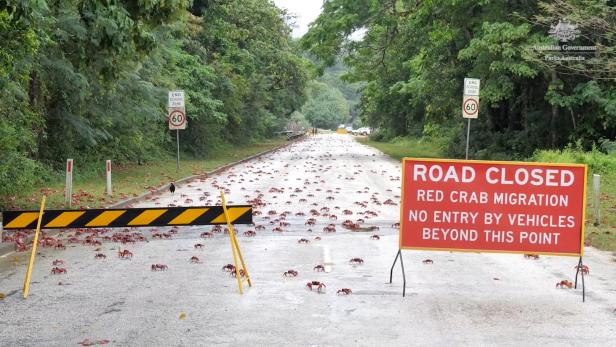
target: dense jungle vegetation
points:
(414, 55)
(88, 79)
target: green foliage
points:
(298, 122)
(415, 55)
(326, 107)
(88, 80)
(597, 161)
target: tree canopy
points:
(415, 54)
(88, 79)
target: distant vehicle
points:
(362, 131)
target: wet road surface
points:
(461, 299)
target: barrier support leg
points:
(33, 253)
(391, 272)
(580, 270)
(235, 248)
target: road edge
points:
(9, 247)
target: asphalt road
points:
(462, 299)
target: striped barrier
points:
(128, 217)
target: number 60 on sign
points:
(177, 118)
(470, 106)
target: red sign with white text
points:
(509, 207)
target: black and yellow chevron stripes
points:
(130, 217)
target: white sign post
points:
(68, 188)
(596, 187)
(177, 118)
(470, 105)
(108, 172)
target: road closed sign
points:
(485, 206)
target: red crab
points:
(234, 273)
(428, 261)
(199, 245)
(206, 234)
(319, 285)
(303, 241)
(375, 237)
(58, 270)
(584, 268)
(194, 260)
(100, 256)
(161, 267)
(531, 256)
(58, 262)
(564, 283)
(356, 261)
(228, 268)
(329, 229)
(250, 233)
(290, 273)
(60, 246)
(319, 268)
(345, 291)
(125, 254)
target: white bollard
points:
(596, 187)
(68, 190)
(108, 171)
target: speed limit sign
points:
(177, 118)
(470, 106)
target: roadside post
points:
(177, 118)
(68, 188)
(108, 173)
(596, 187)
(493, 206)
(470, 105)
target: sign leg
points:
(468, 136)
(391, 272)
(580, 271)
(177, 138)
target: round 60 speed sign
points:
(177, 119)
(470, 106)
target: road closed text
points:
(492, 206)
(494, 175)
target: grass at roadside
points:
(132, 180)
(405, 147)
(602, 236)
